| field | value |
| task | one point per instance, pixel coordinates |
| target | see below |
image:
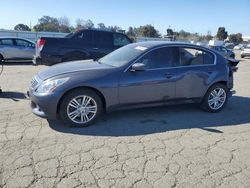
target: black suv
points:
(83, 44)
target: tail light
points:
(40, 44)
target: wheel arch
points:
(1, 57)
(83, 87)
(214, 83)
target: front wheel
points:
(215, 98)
(80, 108)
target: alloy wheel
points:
(82, 109)
(217, 98)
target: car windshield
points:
(123, 55)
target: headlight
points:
(50, 85)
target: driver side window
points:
(160, 58)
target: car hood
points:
(70, 67)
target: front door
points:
(154, 84)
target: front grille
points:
(34, 83)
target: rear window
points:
(102, 38)
(192, 56)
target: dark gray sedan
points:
(137, 75)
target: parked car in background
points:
(245, 52)
(136, 75)
(83, 44)
(224, 51)
(238, 47)
(229, 46)
(16, 49)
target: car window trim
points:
(12, 39)
(142, 55)
(215, 58)
(178, 46)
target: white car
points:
(238, 47)
(245, 52)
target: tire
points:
(242, 56)
(75, 113)
(1, 58)
(212, 104)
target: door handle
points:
(95, 48)
(209, 71)
(168, 75)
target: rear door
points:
(101, 44)
(153, 85)
(196, 67)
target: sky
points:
(198, 16)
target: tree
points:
(131, 33)
(148, 31)
(221, 33)
(209, 36)
(235, 38)
(47, 23)
(22, 27)
(114, 28)
(64, 25)
(170, 32)
(84, 24)
(101, 26)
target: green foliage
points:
(235, 38)
(102, 26)
(131, 32)
(22, 27)
(84, 24)
(170, 32)
(114, 28)
(148, 31)
(51, 24)
(221, 33)
(47, 23)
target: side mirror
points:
(138, 67)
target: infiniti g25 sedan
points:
(137, 75)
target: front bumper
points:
(44, 106)
(245, 54)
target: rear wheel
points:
(1, 58)
(80, 108)
(215, 98)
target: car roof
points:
(155, 44)
(16, 38)
(101, 30)
(150, 44)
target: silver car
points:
(16, 49)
